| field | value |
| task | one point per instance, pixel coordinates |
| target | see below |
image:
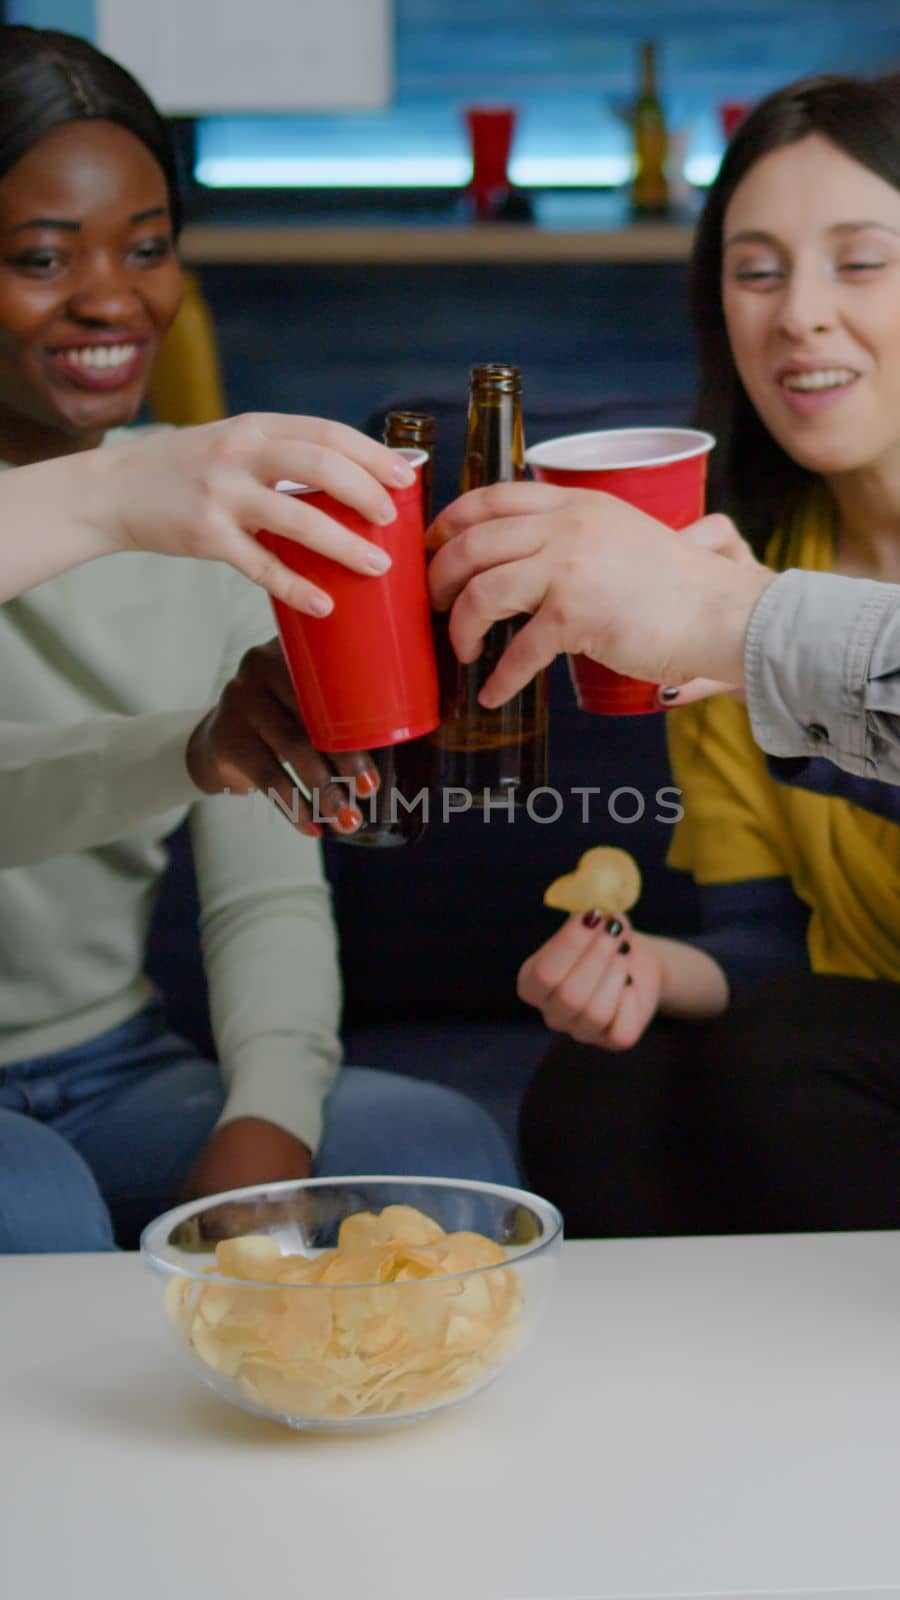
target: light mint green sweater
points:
(135, 636)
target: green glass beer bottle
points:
(650, 191)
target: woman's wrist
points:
(715, 644)
(693, 986)
(96, 501)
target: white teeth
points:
(824, 378)
(101, 357)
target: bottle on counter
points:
(502, 753)
(650, 190)
(397, 813)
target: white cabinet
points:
(204, 56)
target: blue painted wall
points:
(569, 65)
(73, 16)
(709, 47)
(469, 49)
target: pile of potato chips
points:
(387, 1328)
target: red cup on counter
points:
(491, 130)
(732, 114)
(365, 675)
(661, 471)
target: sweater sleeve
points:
(64, 790)
(733, 840)
(731, 829)
(753, 930)
(270, 953)
(268, 936)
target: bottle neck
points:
(648, 73)
(414, 430)
(495, 439)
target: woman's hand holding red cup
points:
(253, 740)
(205, 491)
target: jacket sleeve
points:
(822, 669)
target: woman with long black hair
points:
(105, 1115)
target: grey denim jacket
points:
(822, 670)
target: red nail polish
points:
(592, 919)
(312, 829)
(366, 783)
(349, 819)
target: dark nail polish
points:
(669, 694)
(629, 981)
(614, 927)
(592, 919)
(624, 948)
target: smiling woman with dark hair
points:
(754, 473)
(105, 1115)
(749, 1078)
(49, 80)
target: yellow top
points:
(740, 823)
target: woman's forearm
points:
(694, 987)
(201, 492)
(47, 522)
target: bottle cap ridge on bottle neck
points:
(415, 428)
(496, 377)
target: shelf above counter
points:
(566, 228)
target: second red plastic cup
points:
(365, 675)
(661, 471)
(491, 130)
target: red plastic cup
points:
(365, 675)
(491, 130)
(661, 471)
(732, 114)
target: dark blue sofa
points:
(432, 935)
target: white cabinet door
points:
(197, 56)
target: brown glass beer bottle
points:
(503, 753)
(397, 813)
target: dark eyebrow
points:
(62, 225)
(48, 222)
(748, 236)
(152, 211)
(758, 236)
(858, 227)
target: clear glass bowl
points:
(345, 1356)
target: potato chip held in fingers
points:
(606, 879)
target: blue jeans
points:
(96, 1140)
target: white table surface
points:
(695, 1417)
